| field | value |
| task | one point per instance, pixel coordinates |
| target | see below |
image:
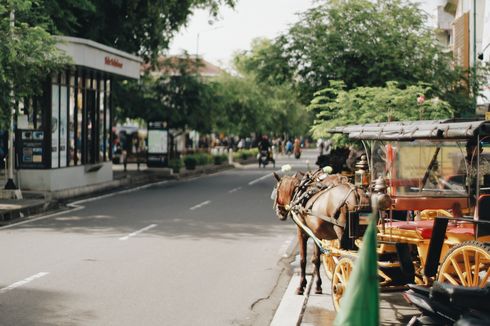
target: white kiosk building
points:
(64, 138)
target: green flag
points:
(360, 302)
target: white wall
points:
(63, 178)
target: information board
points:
(157, 155)
(31, 145)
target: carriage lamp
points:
(380, 196)
(361, 175)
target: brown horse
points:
(336, 200)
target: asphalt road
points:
(206, 251)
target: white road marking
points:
(251, 183)
(23, 282)
(234, 190)
(151, 226)
(204, 203)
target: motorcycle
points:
(265, 157)
(447, 304)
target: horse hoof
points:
(300, 291)
(318, 291)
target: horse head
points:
(283, 193)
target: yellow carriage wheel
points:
(340, 278)
(466, 264)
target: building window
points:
(55, 115)
(79, 159)
(102, 107)
(71, 123)
(63, 121)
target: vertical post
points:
(474, 57)
(11, 152)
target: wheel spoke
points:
(458, 271)
(477, 269)
(467, 267)
(485, 278)
(450, 279)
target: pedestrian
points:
(297, 148)
(289, 147)
(321, 146)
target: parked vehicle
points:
(447, 304)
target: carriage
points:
(431, 182)
(436, 223)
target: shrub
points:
(175, 164)
(220, 159)
(190, 162)
(203, 158)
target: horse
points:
(336, 200)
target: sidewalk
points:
(37, 202)
(313, 309)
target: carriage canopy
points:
(411, 130)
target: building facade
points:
(64, 138)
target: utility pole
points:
(11, 152)
(475, 92)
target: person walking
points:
(297, 148)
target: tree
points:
(363, 43)
(28, 54)
(178, 96)
(337, 106)
(144, 28)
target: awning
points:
(90, 54)
(410, 130)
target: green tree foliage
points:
(243, 106)
(27, 54)
(231, 104)
(140, 27)
(363, 43)
(178, 96)
(337, 106)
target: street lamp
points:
(198, 35)
(480, 55)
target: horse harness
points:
(310, 189)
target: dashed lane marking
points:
(251, 183)
(204, 203)
(23, 282)
(138, 232)
(234, 190)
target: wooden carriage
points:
(437, 224)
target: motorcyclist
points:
(265, 148)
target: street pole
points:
(11, 152)
(474, 57)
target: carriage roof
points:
(411, 130)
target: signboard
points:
(487, 116)
(31, 149)
(157, 155)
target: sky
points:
(236, 28)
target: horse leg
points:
(316, 263)
(302, 239)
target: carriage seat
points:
(424, 227)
